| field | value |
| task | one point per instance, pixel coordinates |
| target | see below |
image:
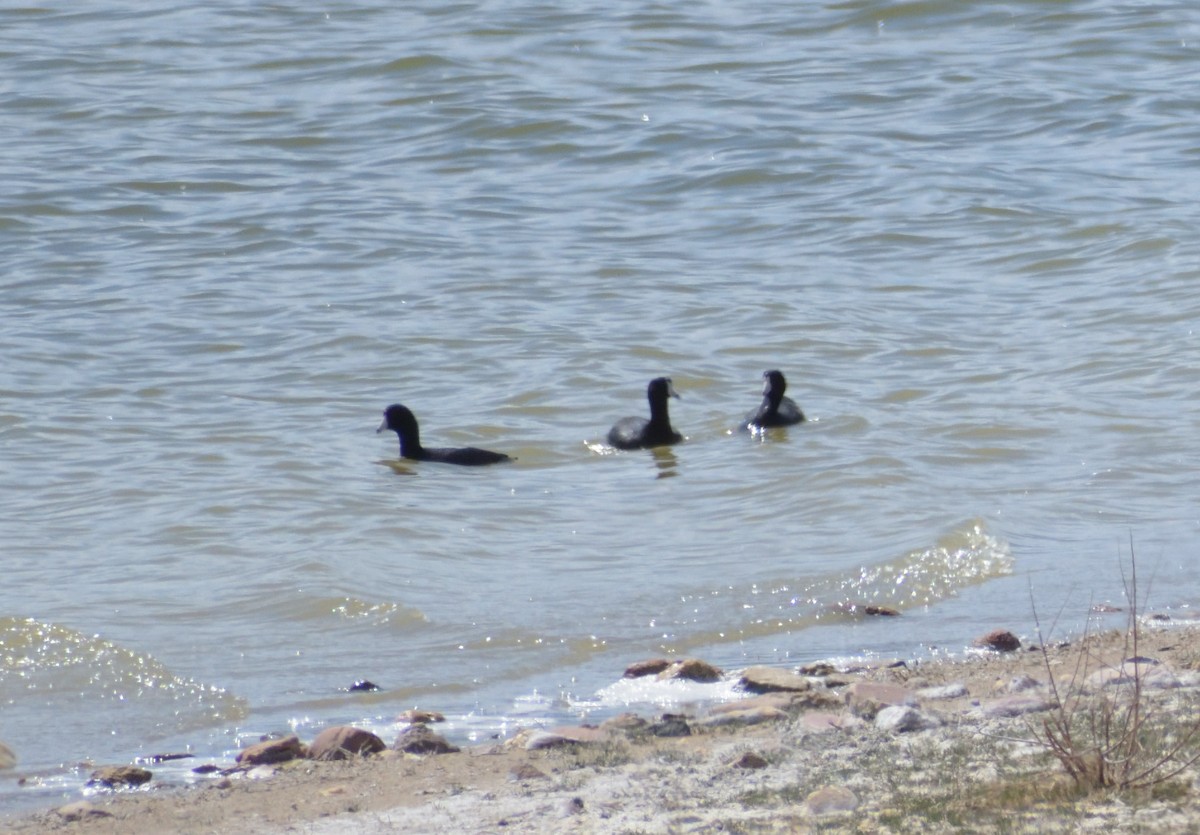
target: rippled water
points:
(232, 234)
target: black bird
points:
(401, 421)
(636, 433)
(776, 410)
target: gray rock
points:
(1149, 673)
(1016, 684)
(904, 719)
(1015, 705)
(831, 799)
(958, 690)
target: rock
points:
(418, 739)
(116, 776)
(626, 722)
(544, 740)
(650, 667)
(867, 698)
(526, 771)
(816, 700)
(564, 736)
(342, 742)
(1016, 684)
(958, 690)
(7, 758)
(1016, 705)
(363, 686)
(692, 669)
(671, 725)
(779, 700)
(831, 799)
(750, 760)
(574, 806)
(763, 679)
(1000, 640)
(420, 717)
(904, 719)
(882, 611)
(819, 721)
(272, 751)
(745, 716)
(207, 768)
(582, 734)
(1144, 671)
(820, 669)
(786, 700)
(81, 811)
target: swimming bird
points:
(776, 410)
(637, 433)
(400, 420)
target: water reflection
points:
(666, 461)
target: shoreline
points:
(816, 753)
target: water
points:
(232, 234)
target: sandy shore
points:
(820, 759)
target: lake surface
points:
(232, 234)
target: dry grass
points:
(1111, 735)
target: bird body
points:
(400, 419)
(639, 433)
(776, 410)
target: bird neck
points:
(659, 416)
(410, 443)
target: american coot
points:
(776, 410)
(636, 433)
(401, 421)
